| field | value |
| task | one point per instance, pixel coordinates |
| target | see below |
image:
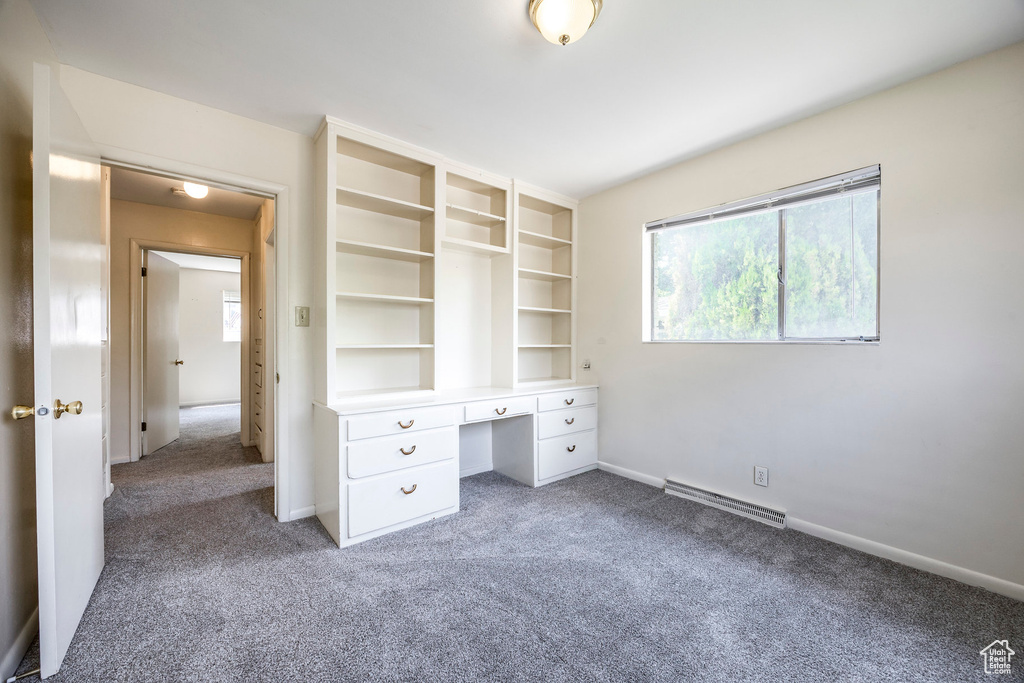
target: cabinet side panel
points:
(326, 461)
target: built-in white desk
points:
(387, 464)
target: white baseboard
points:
(475, 470)
(928, 564)
(14, 655)
(119, 459)
(203, 404)
(632, 474)
(303, 512)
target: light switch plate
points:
(302, 316)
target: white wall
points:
(914, 444)
(22, 42)
(134, 124)
(213, 367)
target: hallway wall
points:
(212, 370)
(131, 220)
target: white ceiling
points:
(655, 81)
(200, 262)
(146, 188)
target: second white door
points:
(160, 379)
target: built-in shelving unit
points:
(476, 213)
(379, 214)
(441, 276)
(545, 293)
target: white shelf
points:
(531, 274)
(382, 251)
(545, 346)
(535, 239)
(473, 246)
(467, 215)
(546, 380)
(346, 347)
(367, 201)
(356, 296)
(534, 309)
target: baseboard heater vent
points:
(770, 517)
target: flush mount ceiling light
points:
(564, 21)
(196, 191)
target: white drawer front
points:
(391, 453)
(257, 417)
(399, 422)
(559, 422)
(379, 503)
(566, 399)
(504, 407)
(566, 453)
(259, 397)
(257, 375)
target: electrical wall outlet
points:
(761, 476)
(302, 316)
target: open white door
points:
(67, 259)
(160, 393)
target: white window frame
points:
(230, 297)
(862, 180)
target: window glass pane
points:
(232, 316)
(717, 280)
(832, 267)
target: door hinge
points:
(143, 271)
(277, 377)
(143, 426)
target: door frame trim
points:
(281, 194)
(137, 319)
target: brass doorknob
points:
(21, 412)
(179, 362)
(75, 408)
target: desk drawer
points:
(559, 422)
(379, 503)
(566, 453)
(498, 408)
(399, 422)
(391, 453)
(565, 399)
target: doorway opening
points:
(190, 298)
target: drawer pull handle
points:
(569, 422)
(571, 449)
(502, 411)
(406, 426)
(408, 452)
(410, 490)
(570, 401)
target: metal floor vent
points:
(770, 517)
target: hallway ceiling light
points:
(196, 191)
(564, 21)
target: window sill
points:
(769, 342)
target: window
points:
(232, 316)
(799, 264)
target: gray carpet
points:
(595, 578)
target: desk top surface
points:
(377, 402)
